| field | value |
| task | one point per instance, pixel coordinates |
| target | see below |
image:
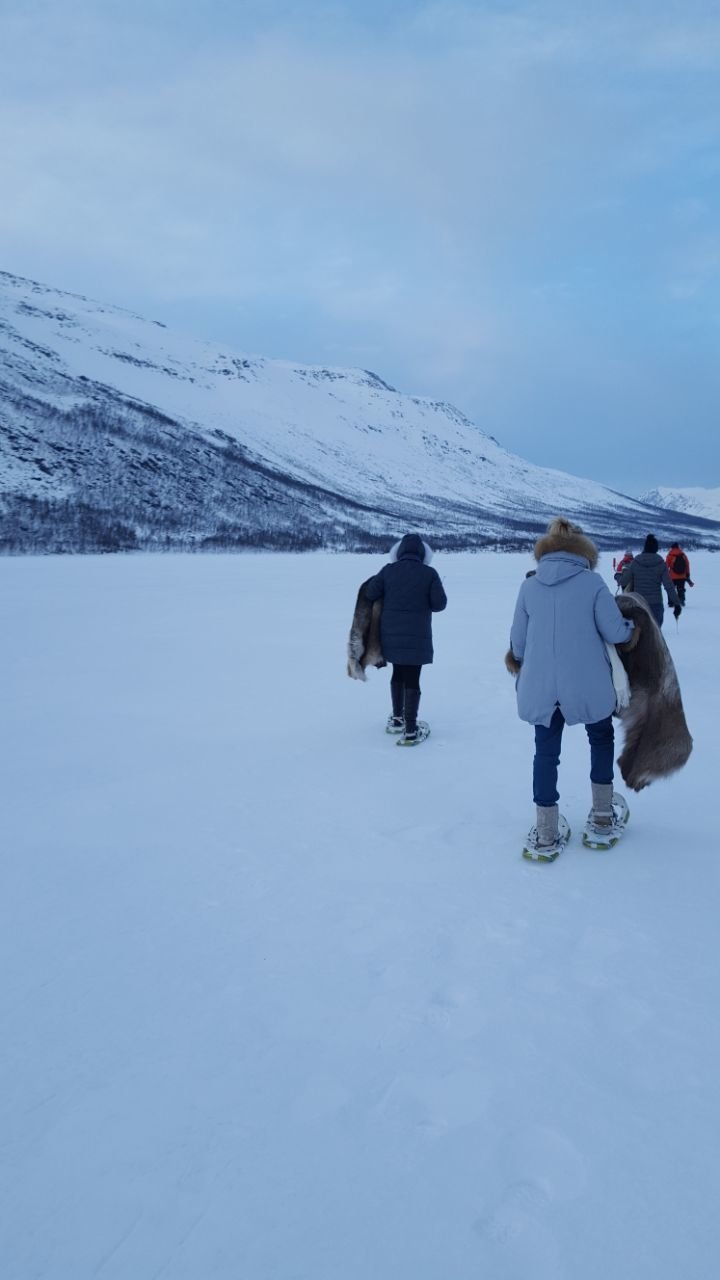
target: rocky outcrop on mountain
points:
(704, 503)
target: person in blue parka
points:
(411, 591)
(564, 617)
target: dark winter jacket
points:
(646, 575)
(411, 591)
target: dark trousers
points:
(680, 585)
(657, 612)
(548, 740)
(407, 677)
(405, 694)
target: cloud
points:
(466, 191)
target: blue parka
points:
(411, 591)
(563, 616)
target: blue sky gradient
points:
(512, 206)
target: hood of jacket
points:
(558, 566)
(564, 536)
(412, 547)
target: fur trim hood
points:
(562, 535)
(412, 544)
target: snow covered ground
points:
(283, 1002)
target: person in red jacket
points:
(679, 567)
(620, 566)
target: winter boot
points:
(415, 730)
(549, 835)
(607, 818)
(396, 722)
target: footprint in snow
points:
(436, 1104)
(514, 1212)
(541, 1167)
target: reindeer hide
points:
(657, 739)
(364, 640)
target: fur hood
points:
(563, 536)
(412, 544)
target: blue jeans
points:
(548, 739)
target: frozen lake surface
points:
(283, 1002)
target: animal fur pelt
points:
(364, 648)
(512, 663)
(657, 739)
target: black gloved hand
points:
(690, 582)
(677, 610)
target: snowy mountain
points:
(698, 502)
(116, 433)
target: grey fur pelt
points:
(364, 640)
(657, 739)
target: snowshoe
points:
(395, 724)
(417, 736)
(536, 852)
(605, 836)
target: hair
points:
(651, 543)
(563, 535)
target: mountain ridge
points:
(116, 433)
(693, 500)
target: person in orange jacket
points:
(679, 567)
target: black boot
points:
(415, 730)
(396, 721)
(412, 702)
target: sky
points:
(510, 206)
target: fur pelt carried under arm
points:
(364, 648)
(657, 739)
(512, 664)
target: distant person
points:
(621, 564)
(646, 575)
(679, 569)
(564, 617)
(411, 591)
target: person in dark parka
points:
(647, 574)
(411, 591)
